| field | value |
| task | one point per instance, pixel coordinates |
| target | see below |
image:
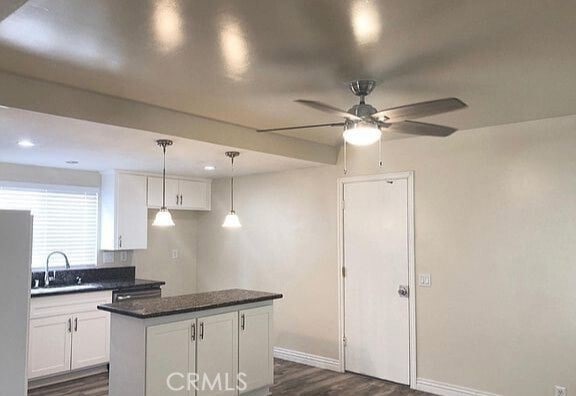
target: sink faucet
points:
(47, 278)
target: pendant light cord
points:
(232, 186)
(164, 179)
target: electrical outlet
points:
(560, 391)
(123, 256)
(108, 257)
(174, 253)
(425, 280)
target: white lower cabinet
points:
(218, 354)
(50, 346)
(256, 360)
(170, 356)
(90, 339)
(68, 333)
(208, 355)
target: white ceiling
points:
(102, 147)
(244, 62)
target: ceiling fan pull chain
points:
(345, 159)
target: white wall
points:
(495, 210)
(287, 245)
(157, 263)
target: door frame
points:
(409, 177)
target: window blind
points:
(65, 219)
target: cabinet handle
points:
(181, 199)
(76, 325)
(193, 331)
(69, 325)
(201, 330)
(177, 198)
(243, 322)
(120, 241)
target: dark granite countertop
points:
(102, 285)
(155, 307)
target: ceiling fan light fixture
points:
(362, 134)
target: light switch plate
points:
(425, 280)
(174, 253)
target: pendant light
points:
(163, 217)
(232, 220)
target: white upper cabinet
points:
(124, 212)
(180, 193)
(155, 193)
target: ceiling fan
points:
(364, 124)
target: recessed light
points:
(25, 143)
(72, 162)
(209, 168)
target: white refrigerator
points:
(15, 273)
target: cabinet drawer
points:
(41, 307)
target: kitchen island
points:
(215, 343)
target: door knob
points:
(403, 291)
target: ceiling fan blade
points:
(418, 110)
(328, 109)
(419, 128)
(338, 124)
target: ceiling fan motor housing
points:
(362, 87)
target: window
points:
(65, 219)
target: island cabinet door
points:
(256, 362)
(170, 358)
(217, 360)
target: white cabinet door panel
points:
(132, 212)
(155, 193)
(217, 353)
(90, 339)
(256, 361)
(170, 348)
(49, 346)
(194, 195)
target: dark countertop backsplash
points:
(88, 275)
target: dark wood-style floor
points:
(290, 379)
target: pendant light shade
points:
(163, 217)
(232, 220)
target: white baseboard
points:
(307, 359)
(443, 389)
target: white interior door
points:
(377, 327)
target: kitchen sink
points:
(67, 288)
